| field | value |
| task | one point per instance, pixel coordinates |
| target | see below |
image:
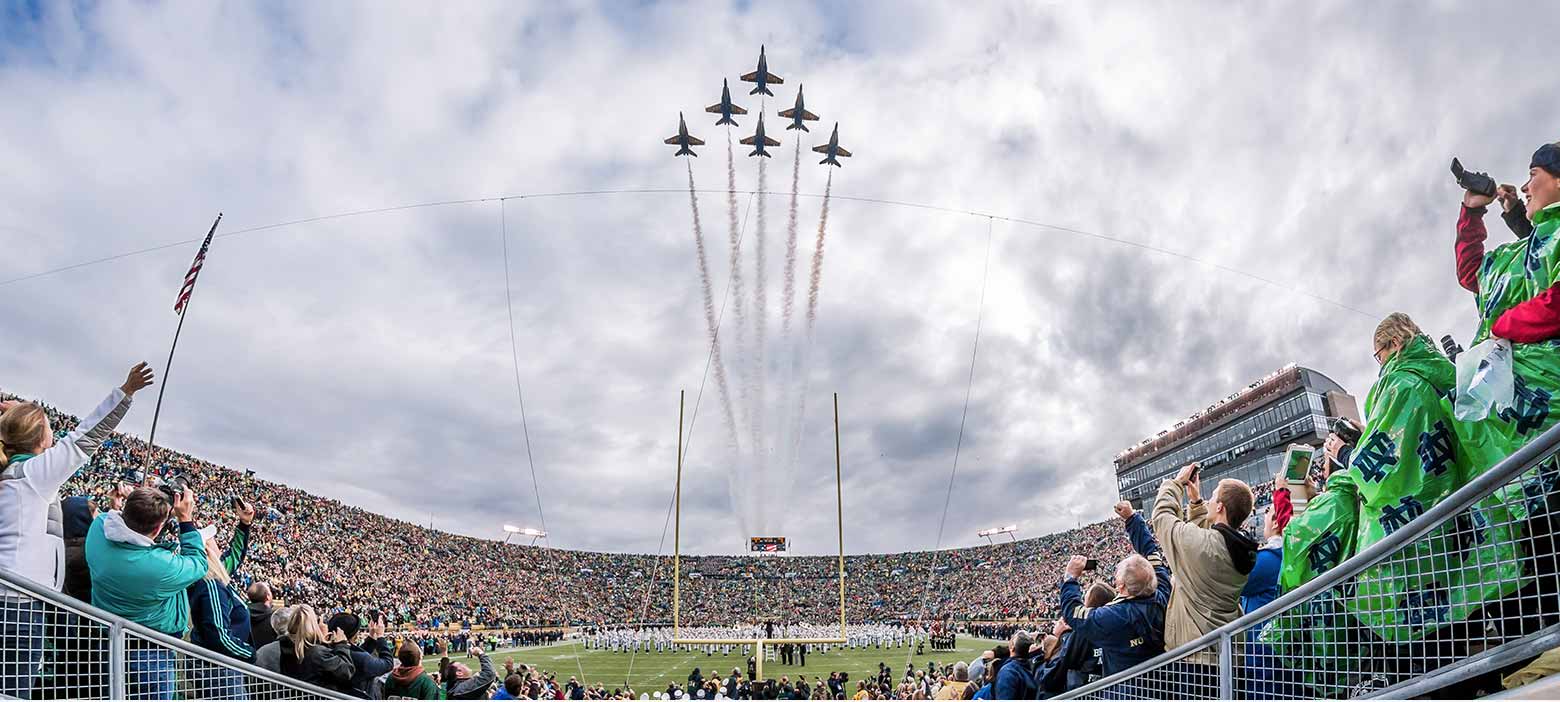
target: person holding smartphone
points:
(1206, 550)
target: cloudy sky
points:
(368, 358)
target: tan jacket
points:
(1207, 585)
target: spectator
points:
(977, 668)
(1524, 308)
(1015, 680)
(134, 578)
(999, 655)
(511, 689)
(33, 467)
(218, 614)
(260, 610)
(78, 513)
(1414, 453)
(36, 466)
(269, 656)
(1262, 584)
(465, 686)
(1078, 661)
(954, 689)
(1130, 629)
(407, 680)
(370, 659)
(311, 655)
(1210, 557)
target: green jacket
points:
(141, 581)
(421, 688)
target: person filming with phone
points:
(1130, 629)
(1211, 558)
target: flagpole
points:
(151, 437)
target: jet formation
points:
(797, 114)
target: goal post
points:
(758, 642)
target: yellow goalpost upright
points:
(758, 642)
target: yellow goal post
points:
(758, 643)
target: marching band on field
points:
(658, 639)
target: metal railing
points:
(56, 647)
(1469, 587)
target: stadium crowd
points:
(339, 597)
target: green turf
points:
(653, 671)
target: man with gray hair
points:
(1131, 628)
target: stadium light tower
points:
(510, 530)
(988, 533)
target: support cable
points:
(969, 386)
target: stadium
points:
(933, 325)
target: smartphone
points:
(1091, 564)
(1297, 461)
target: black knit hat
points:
(1547, 157)
(346, 622)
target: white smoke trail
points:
(716, 362)
(789, 432)
(740, 470)
(802, 353)
(759, 371)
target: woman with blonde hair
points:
(312, 655)
(33, 466)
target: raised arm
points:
(1470, 246)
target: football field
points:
(649, 672)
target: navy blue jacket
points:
(1014, 681)
(1262, 584)
(219, 617)
(1128, 631)
(372, 659)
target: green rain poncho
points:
(1412, 455)
(1323, 535)
(1511, 274)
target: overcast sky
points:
(367, 358)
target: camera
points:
(1451, 347)
(1473, 181)
(1345, 429)
(172, 486)
(1091, 564)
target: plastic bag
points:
(1484, 380)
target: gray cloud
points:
(367, 359)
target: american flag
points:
(189, 278)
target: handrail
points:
(1541, 448)
(30, 588)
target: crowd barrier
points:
(54, 647)
(1465, 589)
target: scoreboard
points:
(766, 544)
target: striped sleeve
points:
(235, 647)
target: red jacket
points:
(1283, 508)
(1532, 321)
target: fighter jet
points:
(758, 141)
(683, 140)
(798, 113)
(762, 76)
(724, 108)
(832, 149)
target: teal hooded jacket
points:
(141, 581)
